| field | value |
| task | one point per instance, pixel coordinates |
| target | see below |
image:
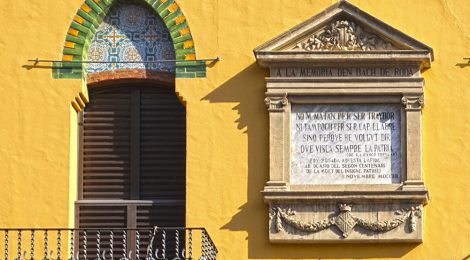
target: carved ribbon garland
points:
(345, 221)
(285, 215)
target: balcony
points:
(106, 243)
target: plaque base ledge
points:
(418, 196)
(344, 241)
(275, 185)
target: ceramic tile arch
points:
(91, 15)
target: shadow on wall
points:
(247, 88)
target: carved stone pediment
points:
(343, 35)
(343, 28)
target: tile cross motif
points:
(150, 36)
(114, 37)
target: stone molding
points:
(363, 193)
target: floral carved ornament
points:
(345, 221)
(343, 35)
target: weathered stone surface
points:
(345, 144)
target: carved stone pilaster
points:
(413, 102)
(276, 104)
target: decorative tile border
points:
(91, 14)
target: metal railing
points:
(106, 243)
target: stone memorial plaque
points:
(345, 144)
(345, 96)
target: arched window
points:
(133, 132)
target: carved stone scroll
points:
(276, 104)
(344, 35)
(413, 103)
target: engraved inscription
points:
(343, 72)
(345, 144)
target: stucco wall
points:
(227, 123)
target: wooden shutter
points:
(134, 148)
(106, 145)
(162, 165)
(163, 146)
(98, 216)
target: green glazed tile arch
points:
(92, 12)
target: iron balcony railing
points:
(106, 244)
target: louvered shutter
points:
(106, 145)
(163, 146)
(134, 147)
(162, 163)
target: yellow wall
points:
(227, 142)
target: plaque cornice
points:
(272, 58)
